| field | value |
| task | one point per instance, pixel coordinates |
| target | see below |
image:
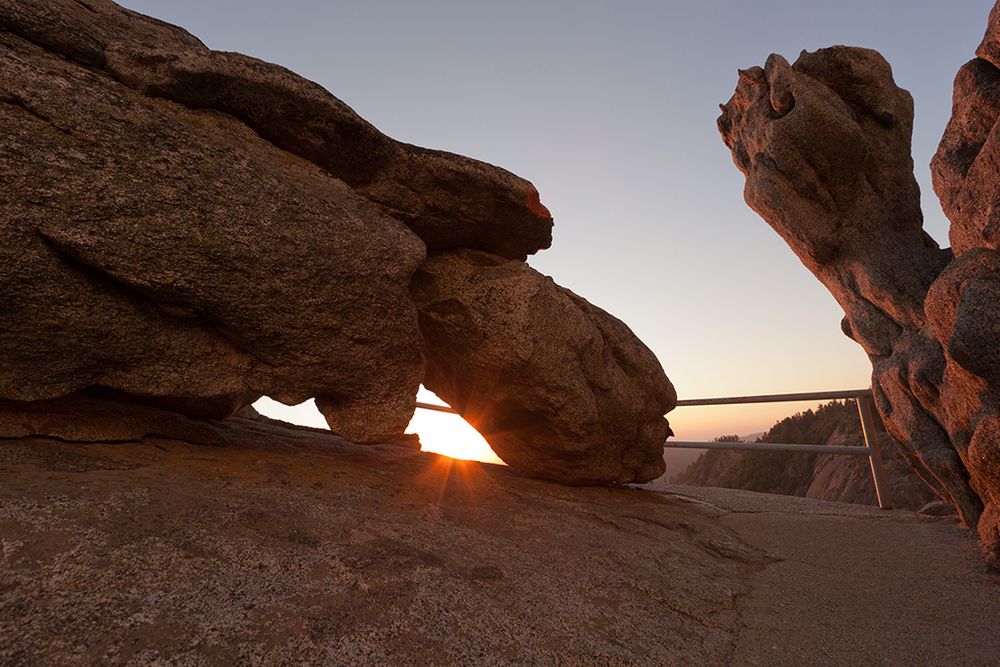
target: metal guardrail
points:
(866, 411)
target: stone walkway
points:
(855, 585)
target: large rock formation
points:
(964, 168)
(964, 303)
(825, 147)
(165, 252)
(558, 387)
(448, 200)
(190, 229)
(195, 229)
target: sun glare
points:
(448, 434)
(440, 432)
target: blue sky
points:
(609, 108)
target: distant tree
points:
(783, 472)
(793, 473)
(775, 472)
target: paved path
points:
(855, 585)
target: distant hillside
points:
(828, 477)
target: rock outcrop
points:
(825, 147)
(83, 419)
(448, 200)
(189, 230)
(195, 229)
(558, 387)
(964, 167)
(169, 253)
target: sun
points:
(448, 434)
(440, 432)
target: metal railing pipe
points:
(776, 398)
(770, 447)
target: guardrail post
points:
(865, 410)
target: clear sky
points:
(609, 108)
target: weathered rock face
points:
(559, 388)
(82, 419)
(824, 145)
(194, 229)
(165, 252)
(964, 303)
(448, 200)
(965, 165)
(189, 230)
